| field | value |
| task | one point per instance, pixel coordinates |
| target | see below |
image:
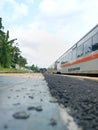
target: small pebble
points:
(38, 108)
(31, 97)
(16, 104)
(21, 115)
(5, 127)
(53, 122)
(9, 97)
(41, 100)
(31, 108)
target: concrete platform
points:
(26, 104)
(28, 98)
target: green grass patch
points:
(12, 70)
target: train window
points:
(80, 50)
(62, 60)
(69, 56)
(95, 42)
(73, 54)
(88, 46)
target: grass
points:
(12, 70)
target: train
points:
(81, 58)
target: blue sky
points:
(45, 29)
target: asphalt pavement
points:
(26, 104)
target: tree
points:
(22, 61)
(1, 35)
(34, 68)
(9, 53)
(15, 55)
(6, 49)
(1, 27)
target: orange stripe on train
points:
(92, 57)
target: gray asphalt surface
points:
(26, 104)
(80, 95)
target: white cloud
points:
(1, 4)
(19, 10)
(38, 46)
(90, 9)
(69, 18)
(58, 7)
(29, 1)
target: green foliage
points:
(6, 49)
(1, 27)
(22, 61)
(9, 51)
(15, 56)
(34, 68)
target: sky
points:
(45, 29)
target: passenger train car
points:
(81, 58)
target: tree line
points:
(10, 54)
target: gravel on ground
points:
(80, 95)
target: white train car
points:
(82, 58)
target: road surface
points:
(26, 104)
